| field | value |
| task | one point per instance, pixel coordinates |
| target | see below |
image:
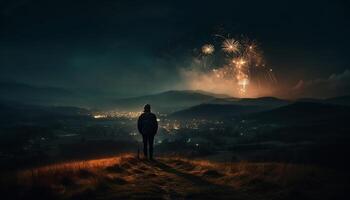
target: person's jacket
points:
(147, 123)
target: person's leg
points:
(144, 139)
(151, 141)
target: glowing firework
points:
(241, 67)
(242, 70)
(208, 49)
(239, 62)
(243, 83)
(230, 46)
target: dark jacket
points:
(147, 123)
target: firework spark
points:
(241, 74)
(239, 62)
(208, 49)
(243, 83)
(230, 46)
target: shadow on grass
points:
(207, 190)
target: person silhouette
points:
(147, 125)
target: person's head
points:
(147, 108)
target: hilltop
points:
(126, 177)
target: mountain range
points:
(176, 103)
(166, 102)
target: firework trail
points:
(206, 51)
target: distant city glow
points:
(100, 116)
(117, 114)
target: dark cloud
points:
(332, 86)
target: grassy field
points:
(126, 177)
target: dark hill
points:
(342, 100)
(169, 101)
(211, 111)
(272, 102)
(304, 111)
(28, 94)
(17, 113)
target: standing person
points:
(147, 125)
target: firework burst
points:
(208, 49)
(230, 46)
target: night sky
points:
(131, 48)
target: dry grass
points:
(176, 178)
(51, 173)
(242, 174)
